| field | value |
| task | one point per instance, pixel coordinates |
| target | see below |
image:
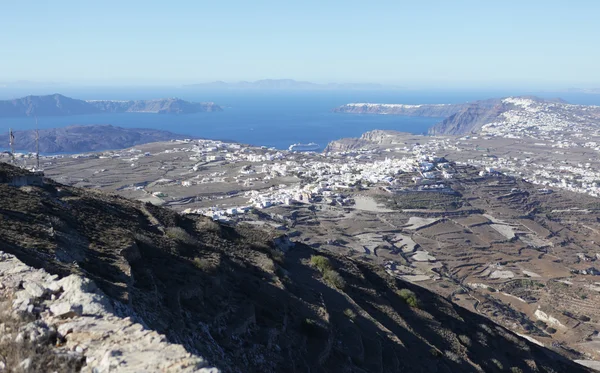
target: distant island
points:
(59, 105)
(74, 139)
(471, 117)
(288, 84)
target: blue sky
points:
(425, 43)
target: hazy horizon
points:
(429, 44)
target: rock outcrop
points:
(75, 312)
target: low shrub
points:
(181, 235)
(321, 263)
(350, 314)
(409, 297)
(205, 265)
(334, 279)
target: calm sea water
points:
(276, 119)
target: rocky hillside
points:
(74, 139)
(243, 299)
(39, 311)
(59, 105)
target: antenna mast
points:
(11, 137)
(37, 144)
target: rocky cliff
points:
(375, 137)
(74, 139)
(233, 296)
(424, 110)
(468, 120)
(473, 117)
(59, 105)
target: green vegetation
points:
(143, 239)
(350, 314)
(277, 255)
(435, 352)
(526, 283)
(334, 279)
(422, 200)
(181, 235)
(323, 265)
(498, 363)
(465, 340)
(205, 265)
(409, 297)
(516, 370)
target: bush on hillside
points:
(181, 235)
(334, 279)
(409, 297)
(321, 263)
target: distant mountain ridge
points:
(59, 105)
(74, 139)
(287, 84)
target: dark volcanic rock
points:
(229, 295)
(87, 138)
(467, 120)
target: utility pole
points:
(37, 145)
(11, 137)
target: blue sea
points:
(270, 118)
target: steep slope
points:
(59, 105)
(467, 120)
(247, 301)
(87, 138)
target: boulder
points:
(66, 309)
